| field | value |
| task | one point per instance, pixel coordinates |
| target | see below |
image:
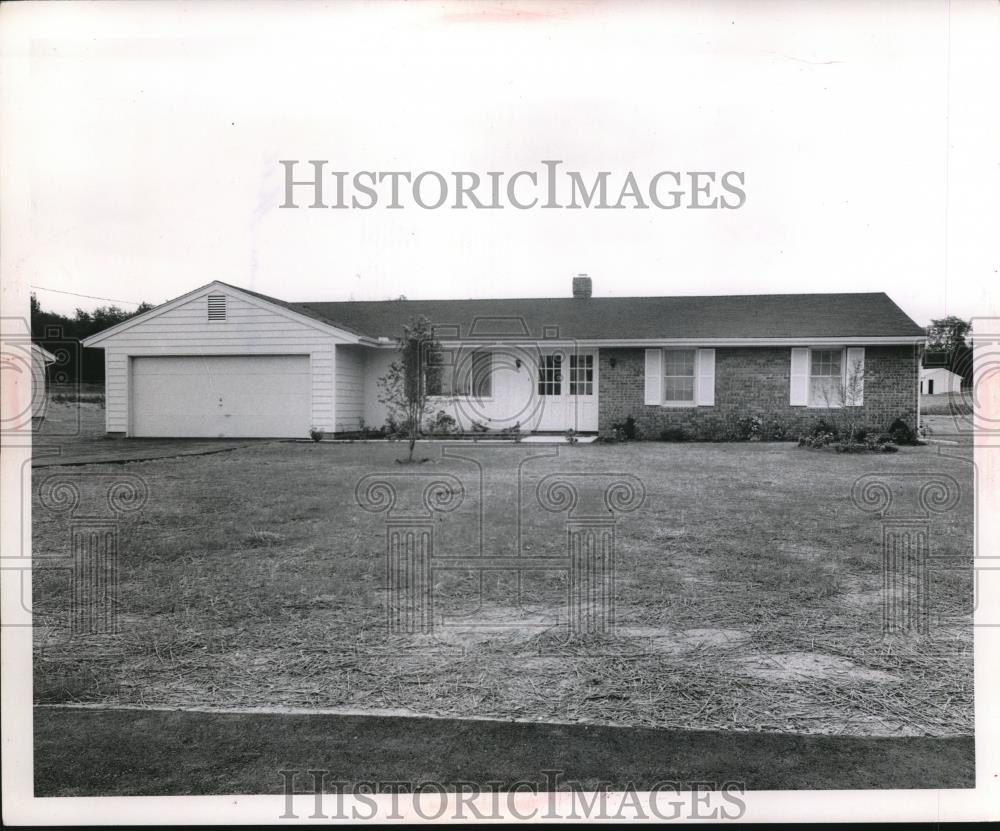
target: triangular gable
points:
(218, 286)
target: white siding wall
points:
(250, 328)
(376, 365)
(351, 387)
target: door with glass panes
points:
(567, 390)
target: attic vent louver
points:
(217, 307)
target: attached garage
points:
(223, 362)
(231, 396)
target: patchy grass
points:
(82, 393)
(957, 429)
(747, 589)
(69, 419)
(946, 403)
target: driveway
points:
(73, 434)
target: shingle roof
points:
(730, 316)
(301, 308)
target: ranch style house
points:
(222, 361)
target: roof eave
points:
(804, 340)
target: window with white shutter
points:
(678, 376)
(826, 377)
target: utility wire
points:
(88, 296)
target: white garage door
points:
(261, 396)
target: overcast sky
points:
(148, 138)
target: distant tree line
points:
(61, 335)
(947, 340)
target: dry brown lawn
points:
(748, 590)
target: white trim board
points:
(706, 342)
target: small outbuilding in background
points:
(938, 380)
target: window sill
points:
(678, 405)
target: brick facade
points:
(753, 381)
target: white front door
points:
(567, 390)
(549, 390)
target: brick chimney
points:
(582, 287)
